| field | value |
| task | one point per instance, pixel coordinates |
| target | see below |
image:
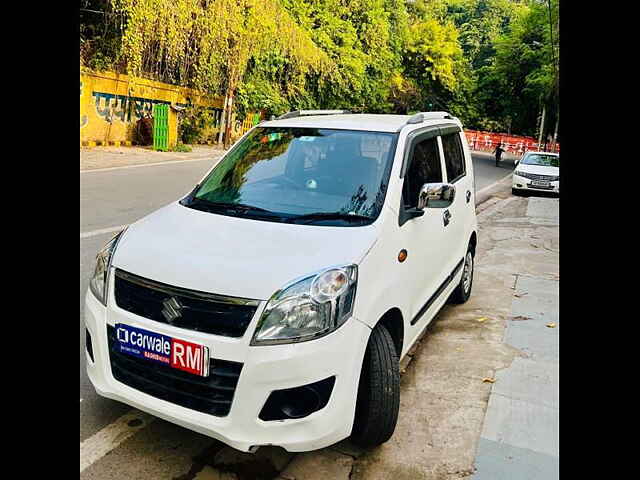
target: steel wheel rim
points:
(467, 273)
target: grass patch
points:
(180, 147)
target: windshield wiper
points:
(309, 217)
(217, 206)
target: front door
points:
(424, 236)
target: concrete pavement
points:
(520, 433)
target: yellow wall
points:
(110, 105)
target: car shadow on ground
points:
(530, 193)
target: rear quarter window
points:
(453, 157)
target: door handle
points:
(446, 217)
(468, 195)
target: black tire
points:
(462, 294)
(378, 391)
(514, 191)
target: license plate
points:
(173, 352)
(540, 183)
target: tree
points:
(209, 44)
(493, 63)
(522, 73)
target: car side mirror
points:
(436, 195)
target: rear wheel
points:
(378, 392)
(463, 291)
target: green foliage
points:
(521, 75)
(209, 44)
(260, 93)
(100, 35)
(490, 62)
(196, 125)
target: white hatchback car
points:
(537, 171)
(272, 304)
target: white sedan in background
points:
(537, 171)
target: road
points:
(117, 197)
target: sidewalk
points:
(110, 157)
(520, 434)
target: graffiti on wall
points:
(83, 118)
(122, 107)
(111, 104)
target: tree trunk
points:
(222, 118)
(544, 110)
(555, 133)
(228, 124)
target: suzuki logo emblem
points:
(172, 309)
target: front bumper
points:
(522, 183)
(265, 368)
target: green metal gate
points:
(161, 127)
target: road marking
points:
(170, 162)
(102, 231)
(100, 443)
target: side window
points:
(424, 167)
(453, 156)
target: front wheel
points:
(463, 291)
(378, 392)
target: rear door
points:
(462, 209)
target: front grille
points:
(212, 395)
(198, 311)
(535, 176)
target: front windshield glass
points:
(543, 160)
(301, 175)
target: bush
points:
(197, 124)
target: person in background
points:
(498, 151)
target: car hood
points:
(233, 256)
(538, 169)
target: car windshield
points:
(543, 160)
(301, 175)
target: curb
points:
(489, 191)
(110, 143)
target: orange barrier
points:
(514, 144)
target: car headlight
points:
(520, 174)
(308, 308)
(98, 282)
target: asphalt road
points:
(121, 196)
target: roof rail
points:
(306, 113)
(422, 116)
